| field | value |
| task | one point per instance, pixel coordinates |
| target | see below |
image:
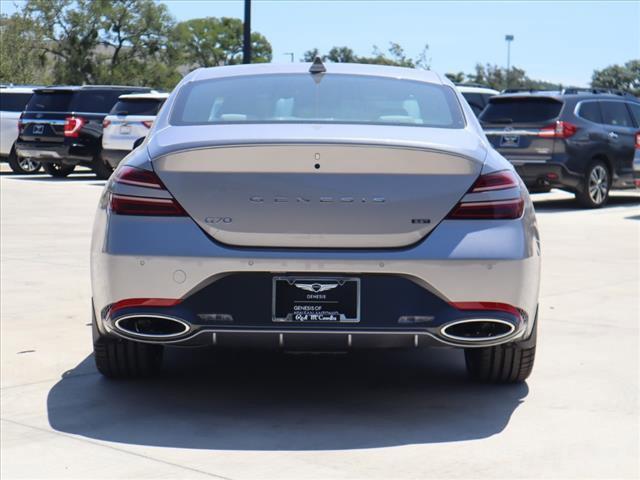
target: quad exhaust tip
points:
(152, 326)
(478, 330)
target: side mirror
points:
(138, 142)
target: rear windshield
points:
(147, 106)
(57, 101)
(520, 110)
(304, 98)
(13, 102)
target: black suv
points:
(62, 127)
(577, 140)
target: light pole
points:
(290, 54)
(508, 39)
(246, 45)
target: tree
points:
(495, 77)
(209, 42)
(623, 77)
(456, 77)
(394, 56)
(21, 56)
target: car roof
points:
(303, 67)
(476, 89)
(143, 96)
(569, 93)
(18, 88)
(76, 88)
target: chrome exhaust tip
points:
(477, 330)
(157, 327)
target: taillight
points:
(142, 205)
(72, 126)
(560, 129)
(490, 209)
(147, 123)
(106, 123)
(638, 140)
(20, 124)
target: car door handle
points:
(613, 135)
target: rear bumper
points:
(56, 152)
(171, 258)
(114, 157)
(548, 175)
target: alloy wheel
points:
(598, 184)
(28, 164)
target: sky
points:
(555, 41)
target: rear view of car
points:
(12, 102)
(62, 127)
(579, 141)
(304, 207)
(129, 119)
(476, 95)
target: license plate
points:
(316, 299)
(125, 130)
(510, 141)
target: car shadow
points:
(80, 177)
(571, 205)
(234, 400)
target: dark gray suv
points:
(577, 140)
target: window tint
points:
(94, 101)
(590, 111)
(13, 102)
(616, 113)
(635, 112)
(332, 98)
(521, 110)
(476, 102)
(51, 101)
(147, 106)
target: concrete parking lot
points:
(367, 415)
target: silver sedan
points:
(312, 207)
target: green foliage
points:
(495, 77)
(394, 56)
(21, 56)
(623, 77)
(209, 42)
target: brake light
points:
(560, 129)
(495, 181)
(638, 140)
(106, 123)
(147, 123)
(143, 205)
(72, 126)
(490, 209)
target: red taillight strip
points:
(487, 306)
(490, 210)
(146, 206)
(143, 302)
(138, 177)
(495, 181)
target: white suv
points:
(12, 103)
(129, 119)
(477, 96)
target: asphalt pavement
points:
(378, 415)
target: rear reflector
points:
(143, 302)
(146, 206)
(147, 123)
(491, 210)
(487, 306)
(106, 123)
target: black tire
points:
(596, 184)
(101, 168)
(510, 363)
(118, 358)
(57, 169)
(23, 166)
